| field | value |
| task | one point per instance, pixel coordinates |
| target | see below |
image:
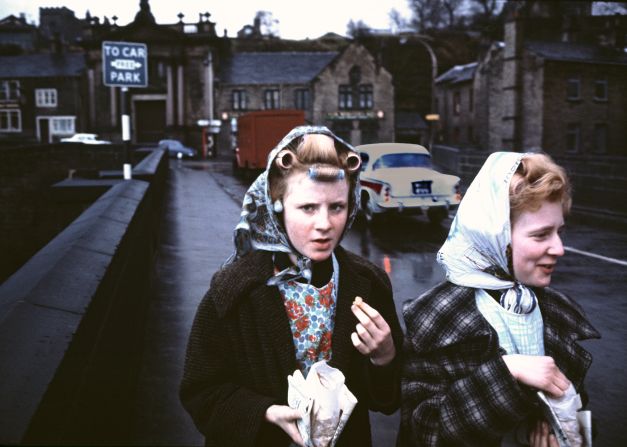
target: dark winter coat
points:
(456, 387)
(240, 353)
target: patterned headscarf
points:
(260, 229)
(475, 253)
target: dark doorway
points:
(44, 130)
(150, 121)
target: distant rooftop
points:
(275, 67)
(565, 51)
(42, 65)
(459, 73)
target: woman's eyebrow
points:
(544, 228)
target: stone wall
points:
(599, 181)
(72, 318)
(587, 112)
(30, 216)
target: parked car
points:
(85, 138)
(399, 178)
(177, 149)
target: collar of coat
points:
(248, 275)
(447, 314)
(242, 284)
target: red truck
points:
(259, 132)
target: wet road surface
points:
(202, 208)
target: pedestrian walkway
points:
(197, 215)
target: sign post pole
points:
(126, 134)
(125, 64)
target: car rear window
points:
(403, 161)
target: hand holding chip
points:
(372, 336)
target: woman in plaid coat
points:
(481, 344)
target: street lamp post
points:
(432, 117)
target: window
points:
(600, 90)
(10, 121)
(301, 98)
(238, 100)
(572, 89)
(62, 125)
(46, 97)
(346, 97)
(355, 95)
(354, 75)
(600, 138)
(157, 72)
(161, 70)
(365, 96)
(457, 103)
(271, 99)
(573, 134)
(471, 99)
(9, 90)
(403, 160)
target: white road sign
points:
(124, 64)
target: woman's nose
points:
(322, 220)
(557, 247)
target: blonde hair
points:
(318, 154)
(538, 179)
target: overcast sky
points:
(297, 19)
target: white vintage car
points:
(85, 138)
(399, 178)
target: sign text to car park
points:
(124, 64)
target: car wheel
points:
(436, 215)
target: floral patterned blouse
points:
(311, 313)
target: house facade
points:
(557, 84)
(343, 90)
(181, 60)
(455, 103)
(41, 96)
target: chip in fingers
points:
(357, 301)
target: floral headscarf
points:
(475, 253)
(260, 229)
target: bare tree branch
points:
(451, 7)
(428, 14)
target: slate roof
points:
(42, 65)
(565, 51)
(275, 67)
(459, 73)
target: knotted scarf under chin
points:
(300, 271)
(519, 299)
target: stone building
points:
(41, 96)
(17, 36)
(557, 83)
(60, 25)
(344, 90)
(181, 60)
(455, 105)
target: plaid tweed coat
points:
(456, 389)
(240, 352)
